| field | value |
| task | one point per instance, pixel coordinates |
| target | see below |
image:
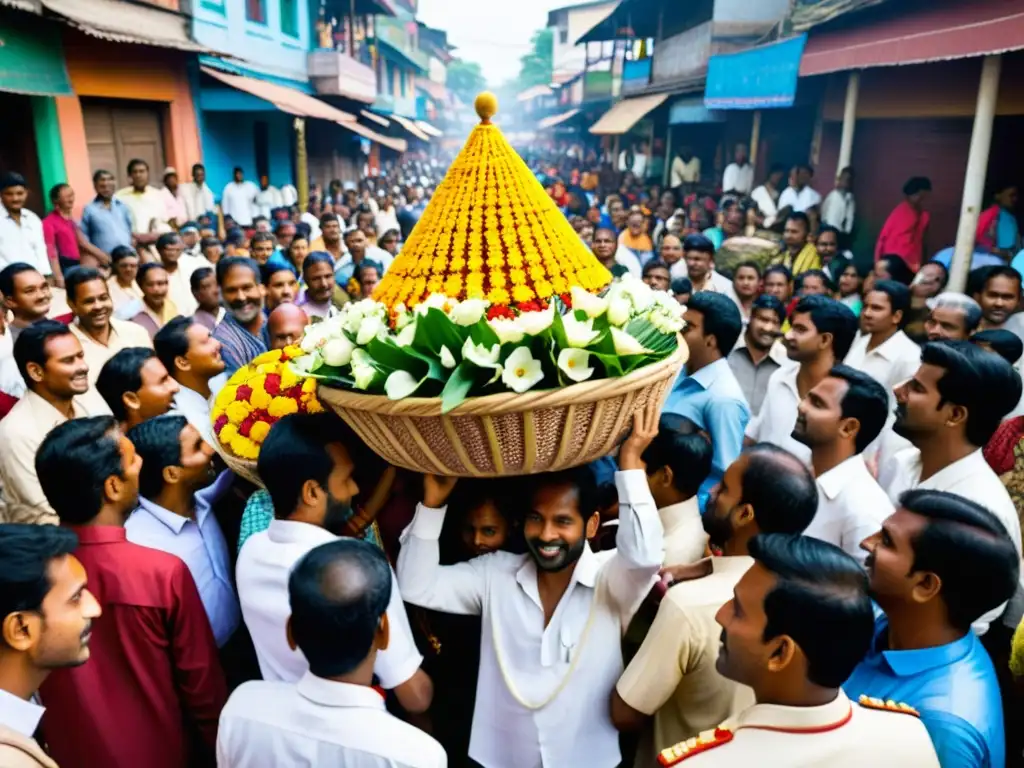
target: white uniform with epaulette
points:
(840, 734)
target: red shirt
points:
(903, 235)
(153, 679)
(62, 234)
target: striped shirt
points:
(238, 346)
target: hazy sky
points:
(493, 33)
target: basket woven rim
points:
(507, 402)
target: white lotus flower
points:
(400, 384)
(594, 306)
(468, 312)
(436, 301)
(666, 323)
(338, 351)
(579, 333)
(362, 371)
(508, 331)
(573, 363)
(619, 310)
(406, 335)
(480, 356)
(522, 370)
(535, 323)
(447, 358)
(626, 344)
(314, 338)
(640, 293)
(369, 329)
(306, 364)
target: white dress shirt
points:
(200, 543)
(972, 478)
(624, 257)
(890, 363)
(766, 203)
(775, 421)
(261, 574)
(562, 673)
(318, 722)
(851, 507)
(239, 202)
(267, 200)
(19, 714)
(739, 178)
(685, 538)
(198, 198)
(799, 201)
(838, 210)
(23, 242)
(196, 408)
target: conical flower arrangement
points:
(491, 232)
(496, 344)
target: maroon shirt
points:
(153, 678)
(61, 234)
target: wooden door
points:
(117, 132)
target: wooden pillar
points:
(977, 165)
(849, 122)
(755, 138)
(301, 164)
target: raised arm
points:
(639, 543)
(423, 580)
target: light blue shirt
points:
(980, 258)
(200, 543)
(713, 400)
(107, 228)
(953, 686)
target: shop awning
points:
(756, 78)
(374, 118)
(551, 122)
(627, 113)
(399, 145)
(533, 93)
(936, 32)
(127, 23)
(428, 129)
(286, 99)
(410, 126)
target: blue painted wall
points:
(223, 26)
(228, 140)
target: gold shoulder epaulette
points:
(887, 705)
(702, 742)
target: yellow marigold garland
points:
(256, 396)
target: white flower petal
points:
(594, 306)
(619, 310)
(368, 330)
(447, 358)
(626, 344)
(508, 331)
(573, 363)
(363, 375)
(406, 335)
(535, 323)
(469, 312)
(522, 370)
(338, 352)
(481, 356)
(400, 384)
(579, 333)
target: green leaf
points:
(612, 363)
(391, 357)
(483, 334)
(650, 337)
(435, 330)
(558, 332)
(458, 386)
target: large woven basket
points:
(507, 434)
(244, 468)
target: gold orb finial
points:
(486, 106)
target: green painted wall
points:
(48, 144)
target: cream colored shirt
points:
(179, 290)
(839, 734)
(673, 675)
(685, 539)
(122, 296)
(123, 334)
(22, 431)
(148, 210)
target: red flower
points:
(218, 425)
(272, 384)
(496, 312)
(243, 393)
(566, 299)
(246, 426)
(534, 305)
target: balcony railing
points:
(393, 32)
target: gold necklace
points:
(572, 663)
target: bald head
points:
(286, 325)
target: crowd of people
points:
(811, 556)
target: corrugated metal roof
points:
(127, 23)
